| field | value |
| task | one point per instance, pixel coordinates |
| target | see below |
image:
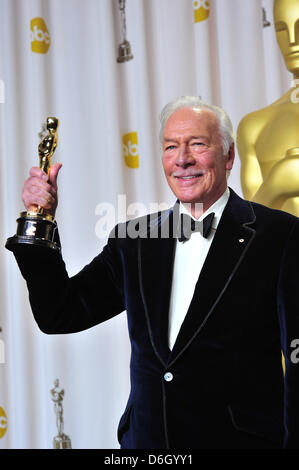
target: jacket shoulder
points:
(276, 215)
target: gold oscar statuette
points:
(38, 228)
(268, 138)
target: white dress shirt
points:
(189, 259)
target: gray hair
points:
(195, 102)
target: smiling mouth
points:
(188, 177)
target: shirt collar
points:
(217, 208)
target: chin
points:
(190, 199)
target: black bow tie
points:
(188, 226)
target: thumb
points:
(53, 174)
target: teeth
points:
(188, 177)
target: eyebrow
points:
(192, 137)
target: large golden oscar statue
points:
(268, 139)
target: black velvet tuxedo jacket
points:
(228, 389)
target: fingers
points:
(41, 190)
(36, 192)
(39, 173)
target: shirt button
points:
(168, 376)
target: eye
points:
(280, 26)
(169, 147)
(198, 144)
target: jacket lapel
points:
(230, 244)
(155, 265)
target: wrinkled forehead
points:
(186, 117)
(286, 11)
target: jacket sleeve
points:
(288, 310)
(63, 304)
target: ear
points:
(230, 157)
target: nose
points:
(184, 157)
(292, 34)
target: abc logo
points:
(40, 37)
(130, 149)
(3, 422)
(201, 10)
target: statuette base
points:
(62, 442)
(34, 229)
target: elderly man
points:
(210, 306)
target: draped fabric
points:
(58, 58)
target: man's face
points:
(193, 160)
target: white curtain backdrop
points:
(108, 144)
